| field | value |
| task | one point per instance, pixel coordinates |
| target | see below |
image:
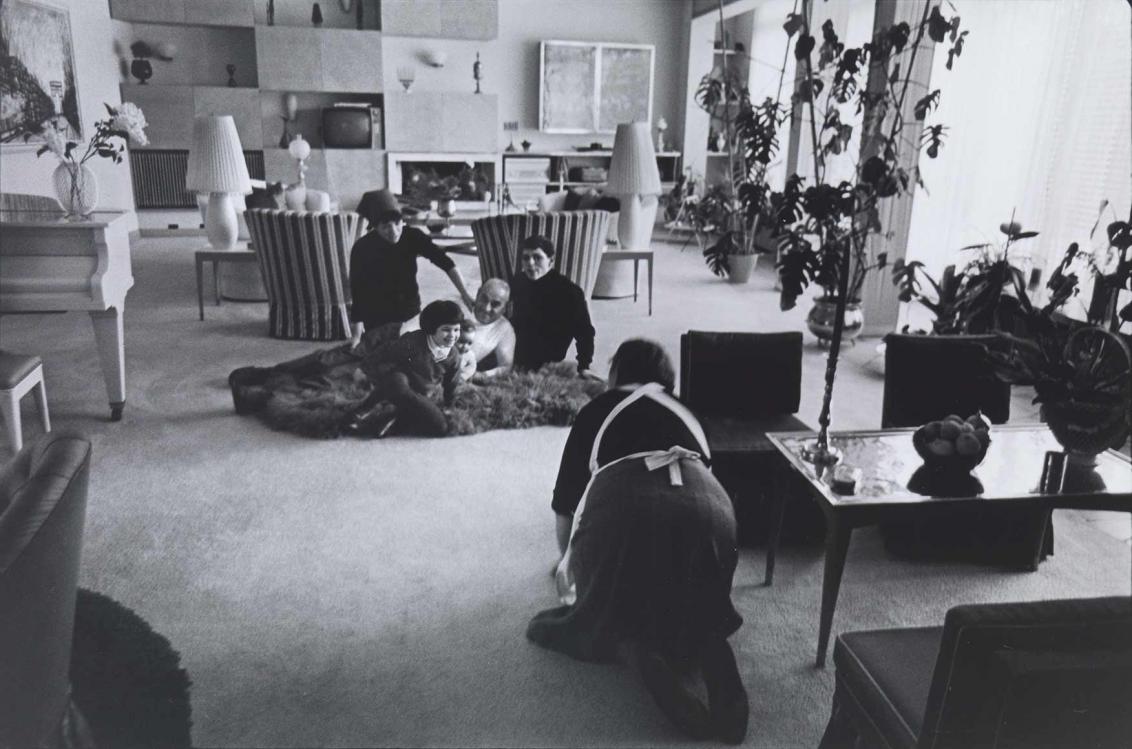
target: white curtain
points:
(1040, 127)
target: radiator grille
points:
(159, 177)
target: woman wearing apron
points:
(651, 552)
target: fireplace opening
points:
(425, 181)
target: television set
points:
(350, 127)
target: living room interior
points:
(225, 581)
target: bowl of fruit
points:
(954, 443)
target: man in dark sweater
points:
(383, 270)
(550, 311)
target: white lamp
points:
(216, 166)
(635, 180)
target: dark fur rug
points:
(550, 397)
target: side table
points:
(636, 256)
(216, 257)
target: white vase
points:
(76, 187)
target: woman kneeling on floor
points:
(406, 374)
(647, 568)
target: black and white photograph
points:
(566, 373)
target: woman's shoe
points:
(686, 711)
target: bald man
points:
(494, 343)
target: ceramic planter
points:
(740, 267)
(824, 312)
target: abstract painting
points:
(37, 72)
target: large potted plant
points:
(740, 208)
(824, 228)
(1081, 371)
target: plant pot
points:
(824, 312)
(1085, 430)
(76, 188)
(740, 267)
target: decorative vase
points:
(821, 317)
(76, 187)
(142, 70)
(446, 208)
(740, 267)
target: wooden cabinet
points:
(530, 173)
(447, 19)
(441, 121)
(299, 59)
(170, 111)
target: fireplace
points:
(419, 178)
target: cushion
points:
(731, 435)
(266, 197)
(317, 200)
(573, 201)
(589, 200)
(889, 673)
(14, 368)
(608, 204)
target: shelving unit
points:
(321, 66)
(526, 184)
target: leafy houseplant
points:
(743, 214)
(1081, 372)
(75, 184)
(824, 228)
(975, 299)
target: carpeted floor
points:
(365, 593)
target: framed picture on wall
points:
(37, 73)
(591, 87)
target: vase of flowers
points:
(76, 186)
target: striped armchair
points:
(305, 260)
(578, 235)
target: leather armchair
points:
(1037, 674)
(42, 509)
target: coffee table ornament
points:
(953, 445)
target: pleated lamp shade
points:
(216, 160)
(633, 170)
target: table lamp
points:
(217, 166)
(635, 180)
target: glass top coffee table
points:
(894, 483)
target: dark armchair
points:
(1040, 674)
(927, 377)
(43, 495)
(741, 386)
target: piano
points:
(51, 264)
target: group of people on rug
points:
(407, 371)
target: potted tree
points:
(824, 228)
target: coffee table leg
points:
(200, 287)
(777, 510)
(836, 547)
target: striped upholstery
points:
(305, 260)
(578, 235)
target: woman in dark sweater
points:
(406, 374)
(652, 552)
(550, 311)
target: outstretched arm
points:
(458, 282)
(583, 332)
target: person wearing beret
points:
(383, 270)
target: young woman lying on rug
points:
(647, 568)
(407, 373)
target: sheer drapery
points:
(1038, 109)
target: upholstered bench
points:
(20, 374)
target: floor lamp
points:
(217, 167)
(635, 180)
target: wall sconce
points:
(406, 75)
(435, 58)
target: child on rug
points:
(464, 347)
(406, 374)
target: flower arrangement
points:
(75, 184)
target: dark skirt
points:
(652, 562)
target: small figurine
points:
(270, 12)
(661, 126)
(477, 72)
(316, 15)
(231, 75)
(526, 144)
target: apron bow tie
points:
(671, 458)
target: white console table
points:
(51, 264)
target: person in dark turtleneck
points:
(550, 311)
